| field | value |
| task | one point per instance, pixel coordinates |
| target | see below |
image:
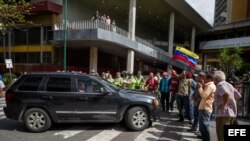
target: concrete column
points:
(193, 39)
(93, 58)
(131, 30)
(132, 19)
(41, 44)
(171, 33)
(204, 62)
(130, 60)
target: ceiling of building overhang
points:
(151, 14)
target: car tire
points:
(137, 119)
(36, 120)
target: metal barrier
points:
(243, 104)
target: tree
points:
(12, 14)
(230, 58)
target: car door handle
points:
(83, 98)
(47, 97)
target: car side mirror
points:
(104, 90)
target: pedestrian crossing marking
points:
(70, 132)
(152, 133)
(107, 135)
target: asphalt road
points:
(166, 129)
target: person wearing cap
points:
(118, 80)
(138, 80)
(130, 81)
(164, 90)
(93, 72)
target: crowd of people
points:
(199, 97)
(105, 19)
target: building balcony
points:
(110, 38)
(45, 7)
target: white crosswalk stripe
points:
(106, 135)
(2, 104)
(157, 128)
(70, 132)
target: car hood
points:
(139, 94)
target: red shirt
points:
(152, 84)
(174, 82)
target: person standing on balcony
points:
(113, 26)
(108, 20)
(103, 18)
(96, 16)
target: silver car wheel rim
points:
(139, 119)
(36, 120)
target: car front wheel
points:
(36, 120)
(137, 118)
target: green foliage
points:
(230, 58)
(12, 13)
(7, 80)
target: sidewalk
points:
(186, 135)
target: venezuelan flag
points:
(185, 55)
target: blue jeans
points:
(204, 121)
(191, 109)
(212, 117)
(195, 124)
(183, 103)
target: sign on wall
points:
(8, 63)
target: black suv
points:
(40, 99)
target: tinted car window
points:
(81, 84)
(59, 84)
(30, 84)
(92, 86)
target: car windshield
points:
(110, 85)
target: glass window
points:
(92, 87)
(34, 36)
(30, 84)
(81, 84)
(59, 84)
(46, 57)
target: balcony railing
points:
(93, 24)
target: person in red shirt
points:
(174, 82)
(151, 83)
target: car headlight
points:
(155, 102)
